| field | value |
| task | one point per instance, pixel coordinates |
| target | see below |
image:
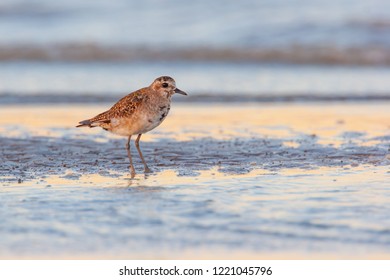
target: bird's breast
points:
(154, 116)
(163, 111)
(158, 115)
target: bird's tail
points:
(98, 120)
(85, 123)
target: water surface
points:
(237, 181)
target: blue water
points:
(210, 47)
(197, 78)
(249, 23)
(212, 217)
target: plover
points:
(137, 113)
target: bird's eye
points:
(165, 85)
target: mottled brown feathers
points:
(125, 107)
(138, 113)
(165, 79)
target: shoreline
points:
(12, 99)
(234, 138)
(277, 181)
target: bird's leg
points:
(147, 169)
(132, 170)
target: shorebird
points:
(137, 113)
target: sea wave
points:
(66, 98)
(296, 54)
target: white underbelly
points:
(137, 125)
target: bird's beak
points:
(180, 91)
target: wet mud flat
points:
(39, 157)
(257, 181)
(234, 139)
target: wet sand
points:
(257, 181)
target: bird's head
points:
(166, 86)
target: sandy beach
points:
(254, 180)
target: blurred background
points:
(93, 50)
(274, 180)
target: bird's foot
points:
(148, 170)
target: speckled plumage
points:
(137, 113)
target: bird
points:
(137, 113)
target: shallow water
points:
(219, 80)
(165, 216)
(315, 187)
(70, 51)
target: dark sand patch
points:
(38, 157)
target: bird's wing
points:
(125, 107)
